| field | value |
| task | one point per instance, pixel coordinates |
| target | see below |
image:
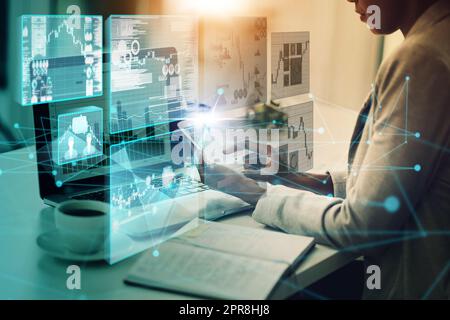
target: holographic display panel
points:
(234, 57)
(149, 198)
(290, 64)
(80, 135)
(300, 137)
(62, 58)
(154, 69)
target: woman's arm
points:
(321, 184)
(394, 172)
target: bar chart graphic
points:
(290, 64)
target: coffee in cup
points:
(82, 225)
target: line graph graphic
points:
(300, 136)
(61, 60)
(143, 187)
(290, 64)
(70, 31)
(235, 62)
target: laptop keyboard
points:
(180, 186)
(97, 196)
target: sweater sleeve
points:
(395, 172)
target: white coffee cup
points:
(82, 225)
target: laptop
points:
(70, 171)
(150, 197)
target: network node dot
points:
(155, 253)
(1, 172)
(220, 91)
(54, 172)
(59, 184)
(31, 156)
(417, 168)
(417, 135)
(321, 130)
(391, 204)
(16, 126)
(407, 78)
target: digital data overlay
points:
(62, 58)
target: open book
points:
(221, 261)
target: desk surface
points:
(28, 273)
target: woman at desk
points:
(393, 204)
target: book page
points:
(207, 273)
(249, 242)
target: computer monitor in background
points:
(233, 59)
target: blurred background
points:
(344, 54)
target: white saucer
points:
(52, 244)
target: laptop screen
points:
(80, 141)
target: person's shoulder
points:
(417, 57)
(423, 52)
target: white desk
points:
(28, 273)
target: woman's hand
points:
(316, 183)
(226, 180)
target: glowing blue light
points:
(330, 195)
(54, 172)
(391, 204)
(31, 156)
(1, 172)
(221, 91)
(417, 168)
(407, 78)
(16, 126)
(156, 253)
(59, 184)
(417, 135)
